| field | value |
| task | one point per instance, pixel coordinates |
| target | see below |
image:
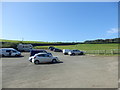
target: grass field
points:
(90, 48)
(78, 46)
(32, 42)
(85, 46)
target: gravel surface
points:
(85, 71)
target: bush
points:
(9, 45)
(41, 47)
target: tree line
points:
(102, 41)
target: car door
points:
(40, 58)
(43, 58)
(48, 58)
(78, 52)
(8, 53)
(75, 51)
(13, 53)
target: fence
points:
(112, 51)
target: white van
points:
(9, 52)
(65, 51)
(24, 47)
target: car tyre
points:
(54, 61)
(3, 55)
(65, 54)
(73, 54)
(30, 60)
(80, 53)
(36, 62)
(16, 55)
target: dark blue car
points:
(57, 50)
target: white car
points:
(65, 51)
(9, 52)
(35, 51)
(44, 58)
(24, 47)
(75, 52)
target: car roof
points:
(7, 48)
(40, 53)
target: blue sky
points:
(59, 21)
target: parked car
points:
(44, 58)
(9, 52)
(65, 51)
(57, 50)
(24, 47)
(35, 51)
(75, 52)
(51, 48)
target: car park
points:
(65, 51)
(9, 52)
(76, 52)
(44, 58)
(57, 50)
(35, 51)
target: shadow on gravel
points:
(12, 57)
(50, 63)
(77, 55)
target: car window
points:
(14, 51)
(42, 55)
(8, 50)
(47, 55)
(45, 51)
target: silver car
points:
(44, 58)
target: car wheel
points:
(65, 54)
(16, 55)
(3, 55)
(30, 60)
(80, 53)
(54, 61)
(36, 62)
(73, 54)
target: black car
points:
(57, 50)
(35, 51)
(51, 48)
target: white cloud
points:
(113, 30)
